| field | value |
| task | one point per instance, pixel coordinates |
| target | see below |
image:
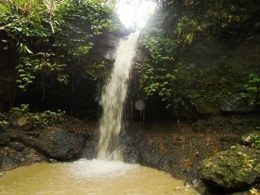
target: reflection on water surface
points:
(94, 177)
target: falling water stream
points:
(106, 175)
(113, 99)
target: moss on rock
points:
(231, 170)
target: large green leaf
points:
(5, 9)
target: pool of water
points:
(95, 177)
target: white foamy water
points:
(113, 99)
(94, 177)
(98, 168)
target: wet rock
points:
(208, 108)
(139, 59)
(181, 138)
(51, 160)
(8, 163)
(19, 121)
(165, 162)
(149, 158)
(19, 136)
(22, 121)
(228, 124)
(232, 170)
(10, 158)
(24, 124)
(31, 155)
(148, 154)
(89, 150)
(129, 143)
(188, 170)
(231, 105)
(17, 145)
(197, 182)
(60, 144)
(4, 139)
(130, 155)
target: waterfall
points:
(113, 99)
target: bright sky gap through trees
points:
(134, 13)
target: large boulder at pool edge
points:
(60, 144)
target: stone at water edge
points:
(232, 170)
(60, 144)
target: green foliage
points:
(212, 85)
(43, 63)
(185, 86)
(255, 140)
(159, 73)
(45, 118)
(212, 19)
(251, 94)
(20, 111)
(252, 139)
(97, 71)
(181, 84)
(26, 71)
(3, 123)
(42, 120)
(50, 38)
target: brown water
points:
(94, 177)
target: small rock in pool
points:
(196, 182)
(51, 160)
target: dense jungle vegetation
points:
(204, 54)
(46, 36)
(44, 43)
(201, 54)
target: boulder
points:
(4, 139)
(231, 104)
(11, 158)
(19, 121)
(17, 145)
(19, 136)
(60, 144)
(232, 170)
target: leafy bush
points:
(3, 123)
(50, 38)
(251, 94)
(181, 25)
(43, 119)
